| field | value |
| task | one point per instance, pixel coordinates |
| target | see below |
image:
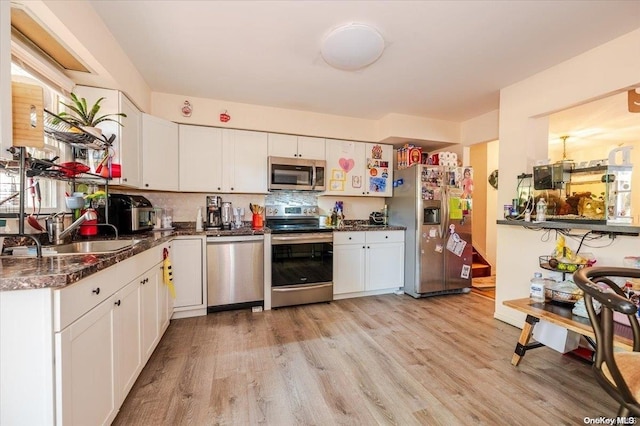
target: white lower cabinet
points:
(100, 355)
(86, 368)
(150, 307)
(348, 262)
(367, 261)
(189, 276)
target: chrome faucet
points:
(88, 215)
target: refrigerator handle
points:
(444, 220)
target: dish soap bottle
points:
(199, 224)
(541, 210)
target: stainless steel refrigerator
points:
(434, 203)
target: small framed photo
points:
(337, 174)
(356, 181)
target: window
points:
(51, 191)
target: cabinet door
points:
(248, 159)
(128, 325)
(159, 154)
(384, 265)
(86, 369)
(311, 148)
(149, 313)
(6, 126)
(379, 170)
(283, 145)
(200, 158)
(130, 143)
(186, 255)
(345, 167)
(348, 268)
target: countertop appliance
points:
(301, 256)
(226, 215)
(296, 174)
(434, 203)
(235, 272)
(214, 217)
(131, 213)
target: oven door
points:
(301, 268)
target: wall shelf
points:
(628, 230)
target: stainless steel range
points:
(301, 256)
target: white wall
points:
(524, 108)
(492, 206)
(483, 128)
(82, 30)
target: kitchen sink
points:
(78, 247)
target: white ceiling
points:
(443, 59)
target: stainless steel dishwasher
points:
(235, 272)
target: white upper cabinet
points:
(222, 160)
(358, 168)
(245, 158)
(127, 146)
(200, 158)
(293, 146)
(159, 154)
(130, 143)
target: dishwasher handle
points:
(235, 239)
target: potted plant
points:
(87, 118)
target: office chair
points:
(618, 372)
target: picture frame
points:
(337, 174)
(336, 185)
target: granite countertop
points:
(21, 273)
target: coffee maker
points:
(214, 212)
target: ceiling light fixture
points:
(352, 47)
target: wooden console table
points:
(555, 314)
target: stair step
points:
(480, 270)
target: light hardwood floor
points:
(373, 360)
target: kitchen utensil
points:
(32, 219)
(73, 168)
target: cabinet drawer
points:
(348, 237)
(385, 236)
(70, 303)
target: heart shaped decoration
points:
(346, 164)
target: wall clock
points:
(493, 179)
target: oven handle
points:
(297, 287)
(301, 239)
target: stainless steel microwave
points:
(297, 174)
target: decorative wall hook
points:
(634, 100)
(187, 109)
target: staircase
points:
(479, 267)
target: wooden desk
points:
(555, 314)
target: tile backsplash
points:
(185, 205)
